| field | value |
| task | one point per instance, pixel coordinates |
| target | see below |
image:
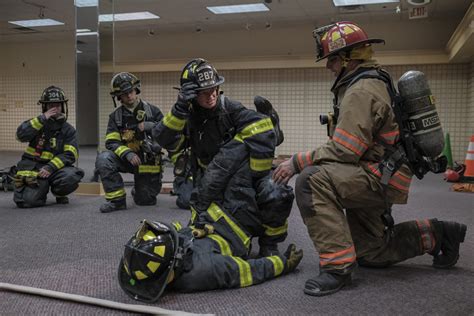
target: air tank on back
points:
(419, 105)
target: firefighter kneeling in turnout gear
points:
(378, 139)
(160, 256)
(48, 161)
(231, 151)
(130, 147)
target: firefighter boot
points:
(265, 107)
(328, 282)
(62, 200)
(114, 205)
(449, 235)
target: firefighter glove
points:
(293, 258)
(185, 96)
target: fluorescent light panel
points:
(82, 30)
(36, 22)
(87, 33)
(86, 3)
(342, 3)
(131, 16)
(239, 8)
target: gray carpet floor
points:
(76, 249)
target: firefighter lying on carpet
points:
(129, 147)
(230, 149)
(214, 256)
(52, 150)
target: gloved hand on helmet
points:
(186, 94)
(293, 257)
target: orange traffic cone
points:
(469, 173)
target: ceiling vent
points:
(348, 9)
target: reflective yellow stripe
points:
(238, 138)
(115, 194)
(71, 149)
(178, 145)
(149, 169)
(177, 225)
(57, 162)
(216, 213)
(36, 123)
(261, 164)
(278, 265)
(223, 244)
(27, 173)
(120, 150)
(201, 164)
(46, 155)
(244, 271)
(175, 157)
(193, 215)
(30, 150)
(261, 126)
(173, 122)
(113, 136)
(273, 231)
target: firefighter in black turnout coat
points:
(230, 149)
(130, 147)
(51, 153)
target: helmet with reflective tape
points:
(338, 37)
(148, 261)
(202, 73)
(123, 83)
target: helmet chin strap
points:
(345, 61)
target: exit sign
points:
(418, 13)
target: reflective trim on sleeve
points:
(351, 142)
(261, 164)
(27, 173)
(113, 136)
(223, 244)
(274, 231)
(149, 169)
(216, 213)
(71, 149)
(115, 194)
(57, 162)
(173, 122)
(31, 151)
(244, 271)
(258, 127)
(46, 155)
(278, 265)
(36, 123)
(120, 150)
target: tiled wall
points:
(300, 95)
(26, 70)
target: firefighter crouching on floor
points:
(52, 150)
(344, 173)
(231, 151)
(160, 256)
(130, 147)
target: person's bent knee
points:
(303, 190)
(105, 159)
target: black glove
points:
(186, 94)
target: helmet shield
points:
(202, 73)
(338, 37)
(123, 83)
(148, 260)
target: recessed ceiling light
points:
(343, 3)
(86, 3)
(238, 8)
(36, 22)
(87, 34)
(131, 16)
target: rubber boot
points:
(62, 200)
(448, 235)
(329, 281)
(265, 107)
(114, 205)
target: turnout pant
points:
(147, 179)
(322, 194)
(62, 182)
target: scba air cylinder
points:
(423, 120)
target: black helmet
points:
(202, 73)
(53, 94)
(148, 261)
(122, 83)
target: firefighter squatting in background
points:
(52, 150)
